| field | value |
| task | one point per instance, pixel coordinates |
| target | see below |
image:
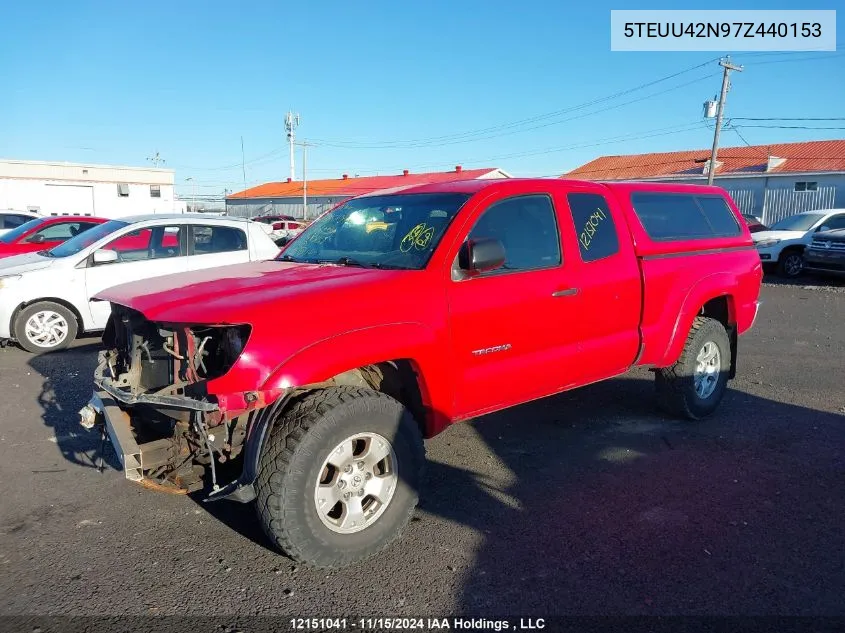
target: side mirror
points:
(481, 255)
(37, 239)
(823, 227)
(105, 256)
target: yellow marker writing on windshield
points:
(418, 237)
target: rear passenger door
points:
(608, 282)
(216, 245)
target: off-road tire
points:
(290, 463)
(24, 315)
(786, 263)
(675, 385)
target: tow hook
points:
(88, 417)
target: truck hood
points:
(26, 263)
(228, 294)
(777, 235)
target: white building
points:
(109, 191)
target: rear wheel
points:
(694, 386)
(339, 478)
(45, 327)
(790, 264)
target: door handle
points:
(567, 292)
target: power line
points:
(790, 127)
(800, 59)
(677, 129)
(742, 118)
(526, 129)
(509, 125)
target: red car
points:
(475, 296)
(42, 234)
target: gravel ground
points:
(585, 503)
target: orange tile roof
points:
(812, 156)
(345, 187)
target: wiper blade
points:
(345, 261)
(349, 261)
(287, 258)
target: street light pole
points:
(728, 67)
(304, 181)
(305, 147)
(194, 196)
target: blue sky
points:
(107, 82)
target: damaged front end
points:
(151, 395)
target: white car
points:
(288, 230)
(10, 220)
(784, 243)
(45, 296)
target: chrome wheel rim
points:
(46, 328)
(792, 265)
(356, 483)
(708, 366)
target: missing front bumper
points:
(109, 385)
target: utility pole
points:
(156, 159)
(291, 123)
(728, 67)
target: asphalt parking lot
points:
(586, 503)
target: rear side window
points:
(597, 237)
(719, 215)
(217, 239)
(12, 221)
(677, 216)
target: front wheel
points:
(45, 327)
(694, 386)
(790, 264)
(340, 475)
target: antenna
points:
(291, 123)
(156, 159)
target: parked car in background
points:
(272, 219)
(826, 253)
(285, 231)
(326, 419)
(13, 219)
(274, 225)
(754, 223)
(44, 233)
(45, 296)
(782, 245)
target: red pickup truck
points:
(396, 314)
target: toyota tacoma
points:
(318, 374)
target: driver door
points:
(142, 254)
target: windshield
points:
(12, 236)
(391, 231)
(800, 222)
(84, 240)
